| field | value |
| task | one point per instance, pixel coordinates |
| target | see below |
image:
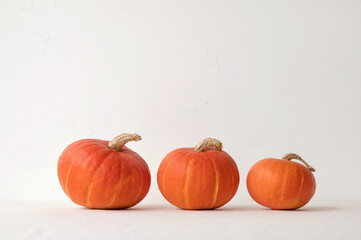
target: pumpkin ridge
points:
(163, 180)
(301, 184)
(270, 165)
(228, 168)
(215, 195)
(164, 175)
(89, 191)
(116, 188)
(233, 185)
(231, 192)
(185, 189)
(141, 161)
(235, 169)
(140, 178)
(67, 177)
(66, 187)
(283, 186)
(143, 166)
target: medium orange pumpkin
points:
(104, 175)
(204, 177)
(280, 183)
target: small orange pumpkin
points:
(280, 183)
(204, 177)
(104, 175)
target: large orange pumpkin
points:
(104, 175)
(280, 183)
(204, 177)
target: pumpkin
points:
(104, 175)
(204, 177)
(281, 183)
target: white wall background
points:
(265, 77)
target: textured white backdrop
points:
(265, 77)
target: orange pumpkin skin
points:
(198, 180)
(280, 184)
(95, 176)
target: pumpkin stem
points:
(208, 143)
(290, 156)
(119, 141)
